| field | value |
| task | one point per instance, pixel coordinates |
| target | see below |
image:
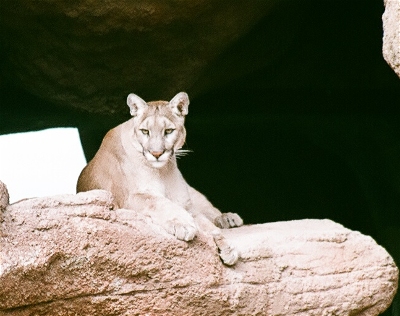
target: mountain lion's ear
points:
(136, 104)
(180, 104)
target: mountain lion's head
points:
(159, 130)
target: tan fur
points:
(127, 165)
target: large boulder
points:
(74, 254)
(90, 55)
(391, 36)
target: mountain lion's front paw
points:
(228, 254)
(228, 220)
(181, 229)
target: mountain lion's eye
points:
(145, 131)
(169, 131)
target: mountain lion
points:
(136, 162)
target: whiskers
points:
(182, 152)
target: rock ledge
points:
(73, 254)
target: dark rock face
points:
(90, 55)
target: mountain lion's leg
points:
(203, 206)
(210, 220)
(228, 254)
(172, 217)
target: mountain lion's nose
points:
(157, 154)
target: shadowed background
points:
(293, 114)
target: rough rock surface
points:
(4, 197)
(73, 254)
(391, 37)
(90, 54)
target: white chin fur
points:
(157, 163)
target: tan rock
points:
(391, 37)
(4, 197)
(74, 255)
